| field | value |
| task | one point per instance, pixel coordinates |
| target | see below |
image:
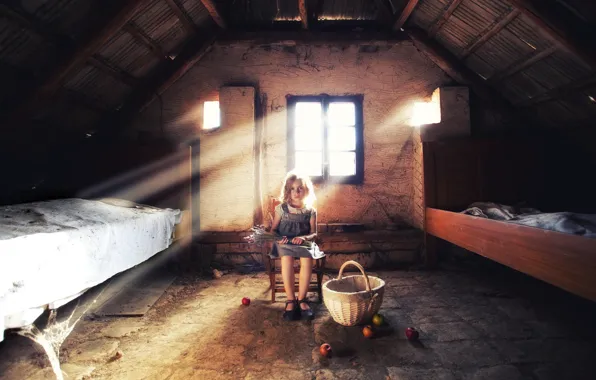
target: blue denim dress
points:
(292, 225)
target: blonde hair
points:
(286, 189)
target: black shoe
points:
(307, 314)
(294, 314)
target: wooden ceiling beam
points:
(285, 37)
(302, 8)
(405, 14)
(140, 36)
(163, 77)
(561, 92)
(462, 74)
(78, 57)
(489, 32)
(186, 21)
(117, 73)
(432, 32)
(566, 29)
(212, 9)
(518, 66)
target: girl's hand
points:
(284, 240)
(297, 240)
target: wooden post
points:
(261, 108)
(430, 200)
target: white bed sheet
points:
(51, 252)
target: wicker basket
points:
(353, 300)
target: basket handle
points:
(354, 263)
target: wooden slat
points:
(212, 9)
(564, 260)
(406, 236)
(115, 72)
(140, 36)
(77, 58)
(561, 92)
(163, 77)
(405, 14)
(568, 33)
(524, 63)
(182, 16)
(310, 36)
(443, 18)
(303, 13)
(181, 65)
(490, 32)
(456, 70)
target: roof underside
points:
(79, 64)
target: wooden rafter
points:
(140, 36)
(566, 33)
(518, 66)
(302, 8)
(78, 56)
(186, 21)
(212, 9)
(561, 92)
(443, 18)
(117, 73)
(405, 14)
(164, 76)
(460, 73)
(489, 32)
(307, 36)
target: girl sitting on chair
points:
(296, 220)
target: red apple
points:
(246, 301)
(325, 350)
(412, 333)
(368, 331)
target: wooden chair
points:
(273, 266)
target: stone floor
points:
(477, 320)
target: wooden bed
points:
(459, 173)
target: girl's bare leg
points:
(305, 273)
(287, 274)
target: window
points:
(211, 117)
(325, 137)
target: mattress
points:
(564, 222)
(53, 251)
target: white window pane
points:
(342, 114)
(342, 163)
(310, 163)
(342, 138)
(308, 114)
(308, 138)
(211, 117)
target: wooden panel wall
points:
(458, 173)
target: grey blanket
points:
(565, 222)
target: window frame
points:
(291, 100)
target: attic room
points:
(297, 189)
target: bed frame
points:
(459, 173)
